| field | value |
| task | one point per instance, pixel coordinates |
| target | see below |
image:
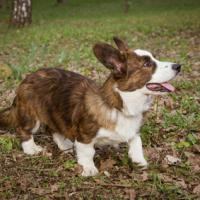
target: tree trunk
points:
(2, 3)
(126, 5)
(61, 1)
(21, 13)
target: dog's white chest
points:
(125, 130)
(128, 121)
(135, 103)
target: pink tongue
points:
(168, 86)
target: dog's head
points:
(136, 69)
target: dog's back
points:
(51, 96)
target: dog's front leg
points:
(85, 154)
(136, 151)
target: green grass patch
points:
(69, 164)
(189, 141)
(64, 35)
(7, 144)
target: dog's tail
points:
(7, 118)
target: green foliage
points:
(189, 141)
(7, 144)
(78, 181)
(69, 164)
(167, 189)
(149, 130)
(176, 119)
(125, 160)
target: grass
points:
(63, 36)
(7, 144)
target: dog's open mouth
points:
(160, 87)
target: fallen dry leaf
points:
(152, 153)
(196, 190)
(66, 196)
(54, 188)
(166, 178)
(193, 159)
(196, 168)
(46, 153)
(196, 148)
(23, 184)
(106, 164)
(169, 103)
(181, 183)
(39, 191)
(171, 160)
(144, 176)
(132, 194)
(106, 173)
(78, 169)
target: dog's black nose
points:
(176, 67)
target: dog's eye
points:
(147, 64)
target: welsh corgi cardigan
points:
(79, 113)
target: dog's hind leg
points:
(63, 143)
(29, 147)
(26, 135)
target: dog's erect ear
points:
(122, 46)
(111, 58)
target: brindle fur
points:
(73, 105)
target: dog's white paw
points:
(29, 147)
(89, 171)
(36, 149)
(143, 164)
(140, 162)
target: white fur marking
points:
(107, 137)
(62, 142)
(136, 152)
(29, 147)
(126, 129)
(36, 127)
(134, 103)
(128, 121)
(164, 71)
(85, 154)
